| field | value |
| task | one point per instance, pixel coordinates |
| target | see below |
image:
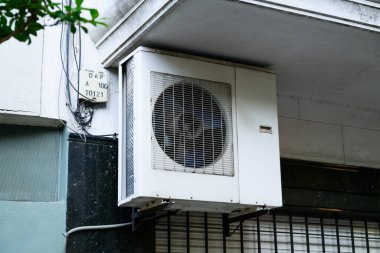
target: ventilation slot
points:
(266, 129)
(191, 125)
(129, 129)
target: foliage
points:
(22, 19)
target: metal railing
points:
(275, 232)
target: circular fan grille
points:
(189, 125)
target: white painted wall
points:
(53, 94)
(54, 81)
(324, 131)
(310, 129)
(20, 82)
(30, 80)
(105, 119)
(33, 83)
(358, 13)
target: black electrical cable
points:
(114, 135)
(83, 114)
(67, 58)
(83, 120)
(237, 227)
(68, 82)
(75, 55)
(78, 63)
(76, 113)
(67, 66)
(79, 56)
(65, 71)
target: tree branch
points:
(19, 30)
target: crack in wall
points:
(22, 111)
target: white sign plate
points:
(93, 86)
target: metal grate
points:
(285, 233)
(191, 125)
(29, 163)
(129, 128)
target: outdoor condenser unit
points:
(196, 133)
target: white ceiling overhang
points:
(326, 49)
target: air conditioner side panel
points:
(128, 77)
(259, 157)
(121, 146)
(142, 123)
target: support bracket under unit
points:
(227, 219)
(139, 215)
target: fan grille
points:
(191, 121)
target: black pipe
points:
(291, 233)
(366, 235)
(187, 232)
(323, 236)
(168, 228)
(206, 232)
(258, 235)
(337, 234)
(241, 237)
(352, 236)
(307, 234)
(275, 233)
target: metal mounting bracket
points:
(139, 215)
(227, 220)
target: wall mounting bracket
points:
(227, 220)
(139, 215)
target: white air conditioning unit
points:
(198, 133)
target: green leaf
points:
(5, 31)
(73, 29)
(33, 32)
(94, 13)
(102, 23)
(23, 37)
(78, 3)
(68, 8)
(19, 18)
(36, 25)
(84, 29)
(3, 20)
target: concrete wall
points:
(33, 89)
(33, 82)
(341, 11)
(105, 119)
(30, 80)
(30, 221)
(318, 130)
(32, 227)
(310, 129)
(20, 82)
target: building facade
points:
(326, 56)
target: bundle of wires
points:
(83, 110)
